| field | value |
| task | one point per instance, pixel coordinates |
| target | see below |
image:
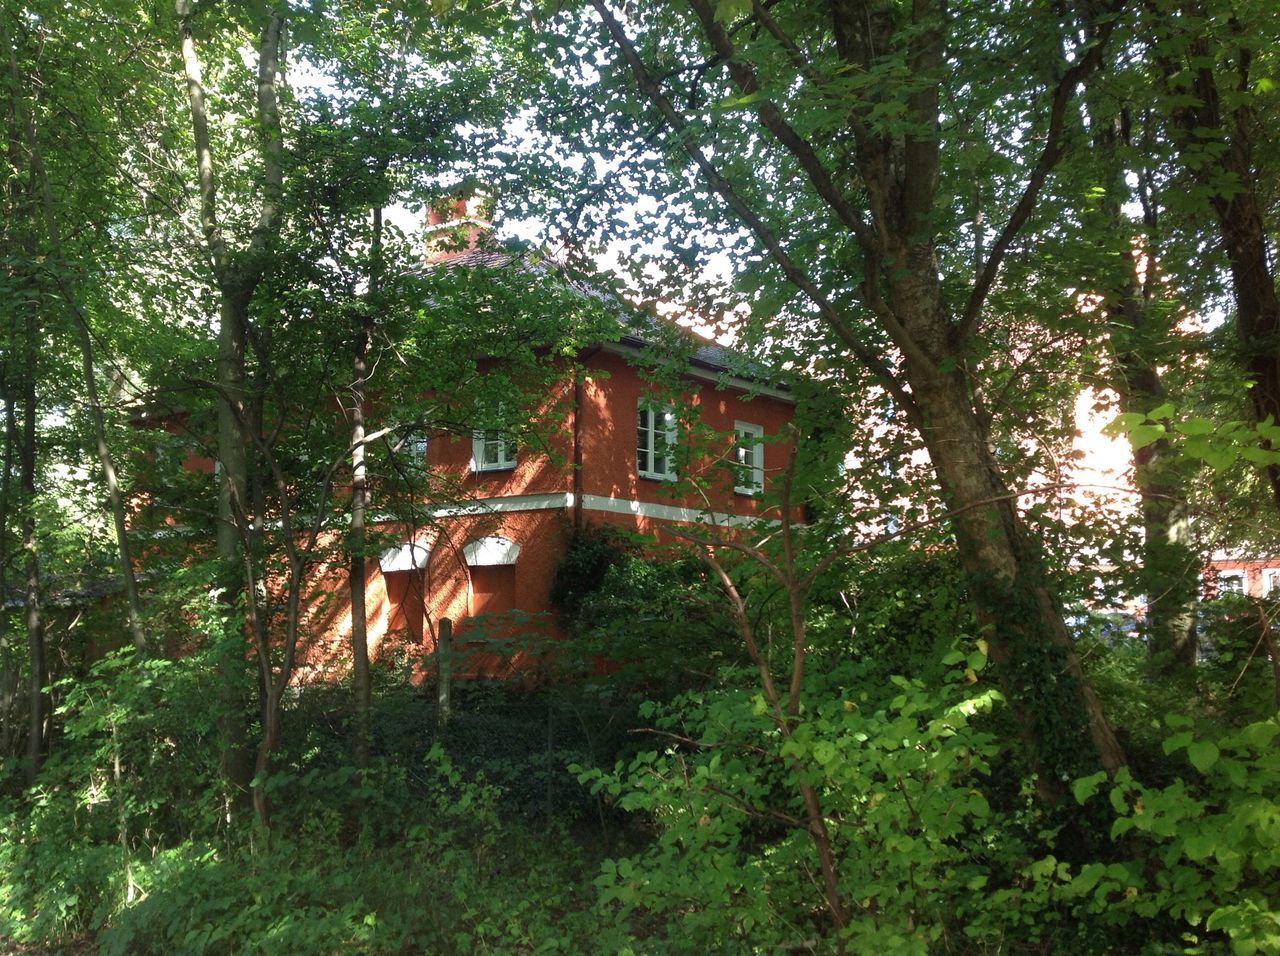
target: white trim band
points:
(649, 509)
(610, 505)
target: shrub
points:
(732, 866)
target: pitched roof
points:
(639, 329)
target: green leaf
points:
(1199, 846)
(1118, 802)
(1220, 458)
(1203, 754)
(1260, 735)
(1140, 436)
(1177, 741)
(1087, 878)
(1195, 426)
(1260, 456)
(1086, 787)
(1124, 422)
(729, 10)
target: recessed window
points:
(491, 564)
(492, 450)
(1231, 582)
(413, 450)
(493, 589)
(655, 441)
(748, 458)
(1271, 583)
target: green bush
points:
(1203, 852)
(458, 880)
(732, 866)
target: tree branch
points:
(208, 183)
(721, 186)
(1054, 149)
(272, 140)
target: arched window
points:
(410, 556)
(490, 551)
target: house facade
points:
(612, 449)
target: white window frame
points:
(1239, 574)
(414, 448)
(655, 441)
(485, 440)
(1271, 582)
(748, 458)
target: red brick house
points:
(618, 451)
(613, 448)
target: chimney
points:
(457, 225)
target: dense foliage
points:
(962, 708)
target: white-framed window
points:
(413, 449)
(1232, 582)
(1271, 582)
(492, 450)
(748, 458)
(655, 439)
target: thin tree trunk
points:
(1273, 652)
(9, 733)
(1216, 146)
(1169, 577)
(271, 722)
(1170, 565)
(785, 711)
(22, 204)
(122, 816)
(110, 477)
(27, 453)
(360, 679)
(10, 714)
(237, 278)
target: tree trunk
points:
(889, 214)
(38, 673)
(114, 498)
(1257, 307)
(237, 753)
(360, 680)
(9, 732)
(360, 686)
(22, 208)
(1169, 578)
(271, 720)
(67, 285)
(1216, 146)
(1030, 647)
(237, 278)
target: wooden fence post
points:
(444, 662)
